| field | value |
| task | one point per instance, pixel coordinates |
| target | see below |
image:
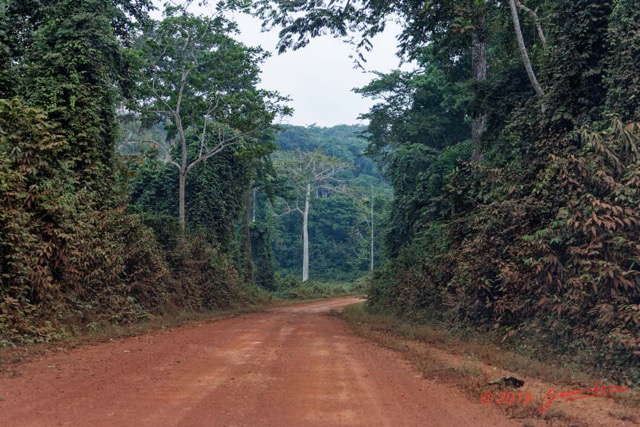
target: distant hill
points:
(342, 141)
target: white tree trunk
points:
(305, 235)
(523, 49)
(372, 245)
(181, 203)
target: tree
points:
(200, 84)
(459, 31)
(421, 106)
(336, 219)
(308, 173)
(367, 218)
(458, 28)
(413, 127)
(66, 57)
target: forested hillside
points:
(513, 152)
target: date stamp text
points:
(512, 398)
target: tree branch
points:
(224, 143)
(523, 49)
(536, 20)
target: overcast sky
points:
(319, 77)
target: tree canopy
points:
(340, 196)
(199, 85)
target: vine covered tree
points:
(66, 57)
(199, 84)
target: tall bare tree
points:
(308, 173)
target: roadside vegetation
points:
(472, 362)
(291, 288)
(513, 151)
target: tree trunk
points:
(305, 235)
(523, 49)
(536, 20)
(246, 237)
(372, 245)
(255, 204)
(479, 75)
(181, 202)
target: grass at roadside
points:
(477, 349)
(472, 363)
(94, 333)
(315, 290)
(99, 333)
(291, 288)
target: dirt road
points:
(292, 366)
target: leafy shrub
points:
(63, 261)
(291, 288)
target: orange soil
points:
(292, 366)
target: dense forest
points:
(142, 173)
(513, 152)
(345, 210)
(128, 146)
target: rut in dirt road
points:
(291, 366)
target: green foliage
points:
(290, 288)
(199, 87)
(623, 75)
(417, 135)
(333, 246)
(191, 66)
(263, 257)
(71, 254)
(210, 128)
(65, 57)
(421, 107)
(444, 22)
(343, 142)
(339, 218)
(539, 239)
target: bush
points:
(64, 261)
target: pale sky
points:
(319, 77)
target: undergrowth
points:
(484, 347)
(410, 338)
(290, 288)
(94, 333)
